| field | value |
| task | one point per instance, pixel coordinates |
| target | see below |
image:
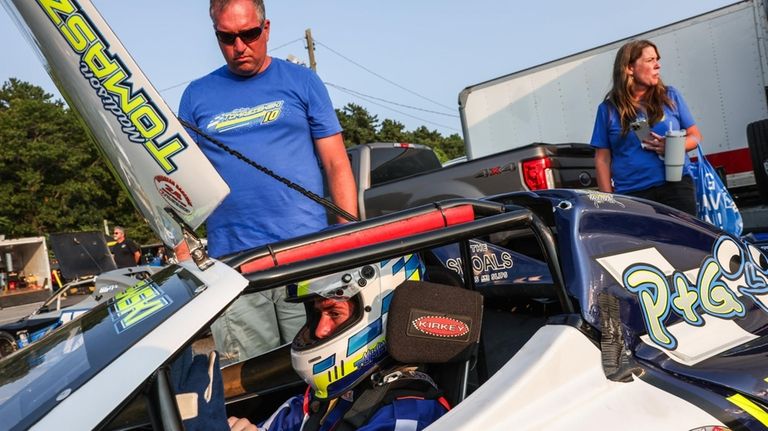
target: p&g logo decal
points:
(732, 272)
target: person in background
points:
(625, 164)
(125, 251)
(279, 115)
(160, 259)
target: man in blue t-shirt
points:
(279, 115)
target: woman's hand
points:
(656, 144)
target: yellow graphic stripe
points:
(751, 408)
(240, 120)
(329, 376)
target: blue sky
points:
(415, 53)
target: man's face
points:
(118, 235)
(244, 57)
(333, 314)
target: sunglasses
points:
(247, 36)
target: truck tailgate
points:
(574, 165)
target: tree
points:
(358, 125)
(53, 177)
(392, 131)
(453, 146)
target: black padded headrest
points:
(433, 323)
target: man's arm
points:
(338, 171)
(136, 252)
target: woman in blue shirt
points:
(625, 164)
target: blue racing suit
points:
(403, 413)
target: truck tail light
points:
(537, 174)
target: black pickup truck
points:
(394, 176)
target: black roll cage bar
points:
(490, 217)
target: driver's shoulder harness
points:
(383, 388)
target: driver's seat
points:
(439, 326)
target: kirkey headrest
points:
(433, 323)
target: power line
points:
(395, 110)
(189, 80)
(368, 98)
(379, 76)
(174, 86)
(286, 44)
(388, 101)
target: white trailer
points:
(717, 60)
(24, 259)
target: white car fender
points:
(556, 382)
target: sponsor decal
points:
(489, 262)
(253, 116)
(112, 81)
(172, 193)
(371, 355)
(109, 288)
(426, 324)
(732, 271)
(599, 198)
(136, 304)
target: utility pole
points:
(311, 49)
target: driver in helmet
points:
(341, 353)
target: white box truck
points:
(718, 60)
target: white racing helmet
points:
(333, 365)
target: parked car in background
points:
(394, 176)
(63, 306)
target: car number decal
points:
(136, 304)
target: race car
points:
(658, 323)
(645, 318)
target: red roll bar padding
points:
(439, 218)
